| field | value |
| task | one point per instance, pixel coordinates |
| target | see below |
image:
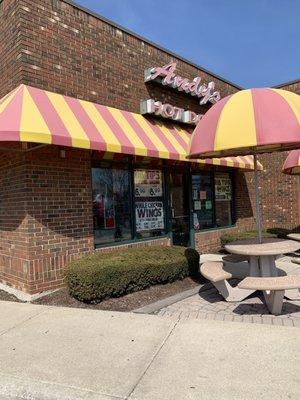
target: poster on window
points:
(196, 221)
(149, 215)
(195, 192)
(148, 183)
(223, 187)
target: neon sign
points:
(166, 76)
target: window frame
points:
(113, 166)
(212, 174)
(139, 166)
(129, 164)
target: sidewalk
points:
(59, 353)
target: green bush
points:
(281, 233)
(101, 276)
(232, 237)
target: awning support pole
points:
(257, 200)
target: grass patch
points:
(232, 237)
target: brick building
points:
(60, 200)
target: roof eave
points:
(281, 85)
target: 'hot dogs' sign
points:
(166, 76)
(168, 111)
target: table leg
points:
(267, 266)
(254, 266)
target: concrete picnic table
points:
(262, 256)
(294, 236)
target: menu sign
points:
(148, 183)
(223, 187)
(149, 215)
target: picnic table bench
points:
(214, 272)
(296, 260)
(294, 236)
(273, 288)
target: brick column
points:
(14, 250)
(45, 216)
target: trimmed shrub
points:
(281, 233)
(232, 237)
(104, 275)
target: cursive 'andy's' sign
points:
(166, 75)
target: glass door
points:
(179, 204)
(202, 201)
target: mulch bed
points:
(129, 302)
(4, 296)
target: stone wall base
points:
(20, 295)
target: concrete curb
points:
(25, 296)
(158, 305)
(19, 388)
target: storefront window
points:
(130, 203)
(149, 203)
(202, 197)
(179, 202)
(111, 205)
(223, 199)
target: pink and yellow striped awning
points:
(247, 122)
(29, 114)
(292, 163)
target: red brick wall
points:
(59, 212)
(210, 241)
(45, 215)
(280, 193)
(10, 46)
(292, 87)
(13, 220)
(284, 207)
(65, 50)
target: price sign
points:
(148, 183)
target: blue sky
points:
(253, 43)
